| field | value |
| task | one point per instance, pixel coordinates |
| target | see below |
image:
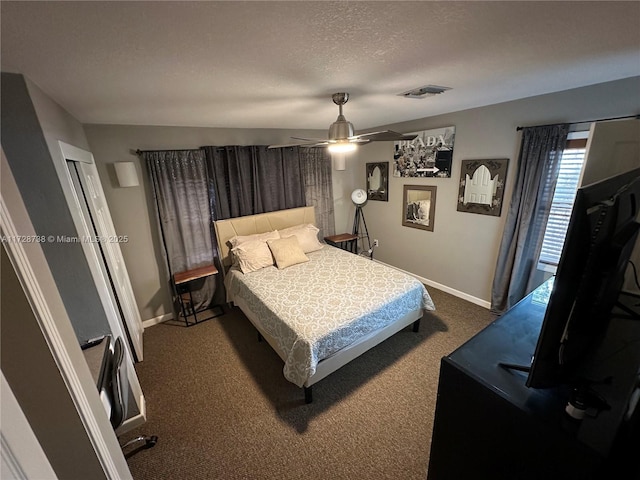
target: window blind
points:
(571, 165)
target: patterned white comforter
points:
(314, 309)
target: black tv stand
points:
(489, 424)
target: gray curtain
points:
(538, 166)
(179, 182)
(318, 187)
(254, 179)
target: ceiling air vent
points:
(423, 92)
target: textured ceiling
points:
(275, 64)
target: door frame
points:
(92, 254)
(33, 272)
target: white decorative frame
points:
(481, 187)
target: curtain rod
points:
(138, 152)
(584, 121)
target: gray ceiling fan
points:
(342, 136)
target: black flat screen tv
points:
(602, 233)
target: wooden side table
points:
(183, 282)
(345, 241)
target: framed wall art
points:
(419, 206)
(378, 181)
(482, 186)
(428, 155)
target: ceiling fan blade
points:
(321, 142)
(359, 141)
(306, 145)
(311, 139)
(385, 136)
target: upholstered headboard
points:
(260, 223)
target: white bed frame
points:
(266, 222)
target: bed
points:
(320, 313)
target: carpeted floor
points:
(222, 409)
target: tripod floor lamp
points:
(359, 199)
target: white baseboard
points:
(444, 288)
(156, 320)
(465, 296)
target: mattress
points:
(315, 309)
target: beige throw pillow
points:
(252, 255)
(307, 235)
(287, 252)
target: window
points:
(571, 165)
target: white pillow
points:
(252, 255)
(287, 252)
(240, 239)
(307, 235)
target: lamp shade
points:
(359, 197)
(127, 174)
(339, 161)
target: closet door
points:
(109, 243)
(92, 219)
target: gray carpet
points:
(222, 409)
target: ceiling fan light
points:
(343, 146)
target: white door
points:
(118, 322)
(110, 246)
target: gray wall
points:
(35, 379)
(458, 256)
(32, 124)
(461, 252)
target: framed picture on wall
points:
(419, 207)
(482, 186)
(378, 181)
(429, 154)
